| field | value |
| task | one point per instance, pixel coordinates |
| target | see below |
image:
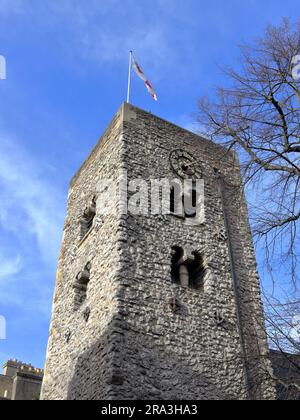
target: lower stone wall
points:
(26, 387)
(6, 384)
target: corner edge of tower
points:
(122, 113)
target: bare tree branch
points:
(258, 116)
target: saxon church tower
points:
(157, 306)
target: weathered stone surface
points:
(138, 344)
(26, 387)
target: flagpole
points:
(129, 76)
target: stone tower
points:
(154, 306)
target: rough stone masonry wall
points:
(79, 361)
(187, 355)
(134, 346)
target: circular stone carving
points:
(184, 164)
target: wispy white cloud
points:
(188, 122)
(31, 219)
(104, 31)
(9, 267)
(29, 203)
(8, 7)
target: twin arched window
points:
(188, 271)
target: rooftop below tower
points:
(20, 381)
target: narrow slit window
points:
(172, 200)
(196, 272)
(88, 217)
(176, 200)
(177, 255)
(190, 203)
(81, 285)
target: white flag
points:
(144, 78)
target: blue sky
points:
(67, 66)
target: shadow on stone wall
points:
(125, 364)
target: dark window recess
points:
(81, 285)
(190, 203)
(172, 200)
(196, 271)
(188, 271)
(87, 218)
(177, 255)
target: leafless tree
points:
(258, 116)
(283, 323)
(283, 327)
